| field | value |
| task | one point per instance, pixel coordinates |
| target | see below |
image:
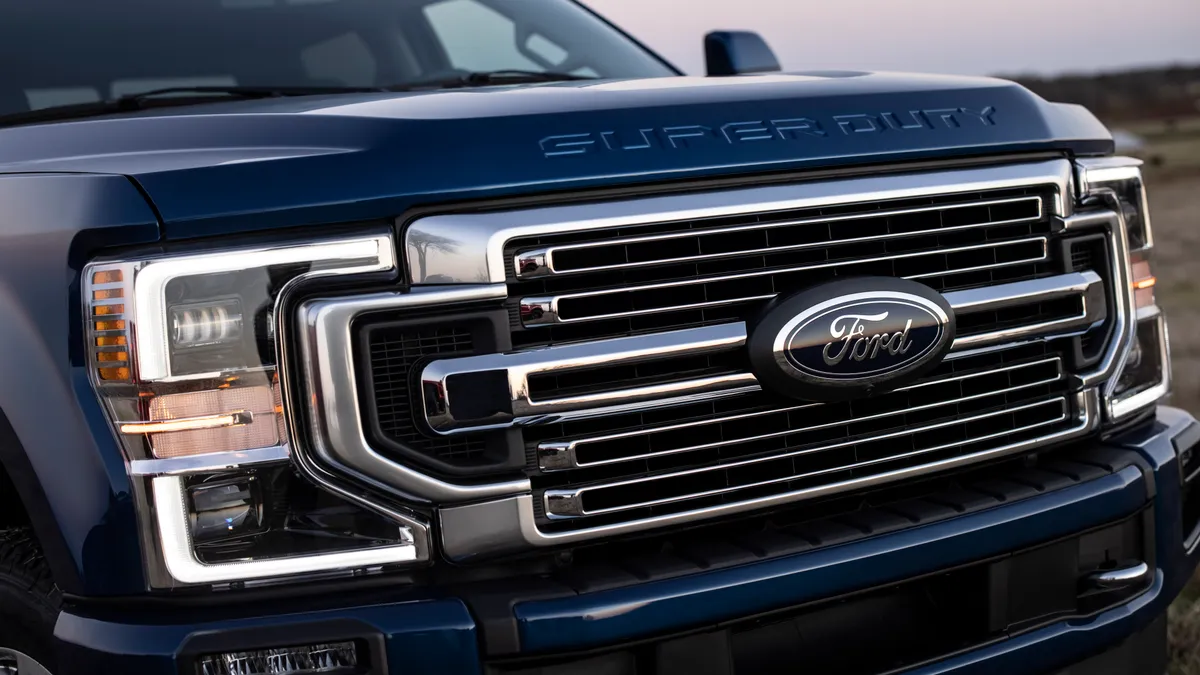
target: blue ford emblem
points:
(850, 338)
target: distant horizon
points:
(1069, 37)
(1117, 70)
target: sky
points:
(966, 37)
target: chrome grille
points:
(609, 381)
(756, 443)
(723, 269)
(991, 380)
(776, 233)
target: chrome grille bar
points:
(510, 524)
(519, 366)
(479, 238)
(516, 368)
(569, 503)
(540, 262)
(560, 455)
(547, 309)
(1087, 285)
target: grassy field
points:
(1174, 190)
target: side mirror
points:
(734, 52)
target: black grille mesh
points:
(394, 355)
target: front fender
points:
(54, 442)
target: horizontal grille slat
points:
(773, 237)
(677, 275)
(789, 466)
(674, 439)
(765, 284)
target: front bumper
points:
(511, 627)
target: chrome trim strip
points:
(1146, 313)
(331, 392)
(560, 455)
(569, 503)
(1120, 578)
(540, 262)
(1107, 372)
(174, 532)
(456, 246)
(208, 462)
(1093, 174)
(520, 365)
(200, 423)
(1001, 296)
(1088, 285)
(1128, 405)
(354, 255)
(509, 525)
(547, 307)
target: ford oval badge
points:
(850, 338)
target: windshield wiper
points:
(168, 96)
(235, 92)
(180, 96)
(483, 78)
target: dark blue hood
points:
(259, 164)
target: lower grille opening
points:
(885, 628)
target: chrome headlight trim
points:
(1104, 180)
(171, 522)
(356, 255)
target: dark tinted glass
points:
(59, 52)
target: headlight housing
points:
(183, 354)
(1144, 375)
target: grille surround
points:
(512, 518)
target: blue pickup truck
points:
(436, 337)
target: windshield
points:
(74, 52)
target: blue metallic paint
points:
(245, 166)
(1068, 642)
(440, 635)
(676, 604)
(1154, 444)
(240, 167)
(49, 226)
(253, 165)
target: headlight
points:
(1143, 378)
(182, 353)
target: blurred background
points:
(1136, 65)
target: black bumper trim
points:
(1143, 653)
(787, 532)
